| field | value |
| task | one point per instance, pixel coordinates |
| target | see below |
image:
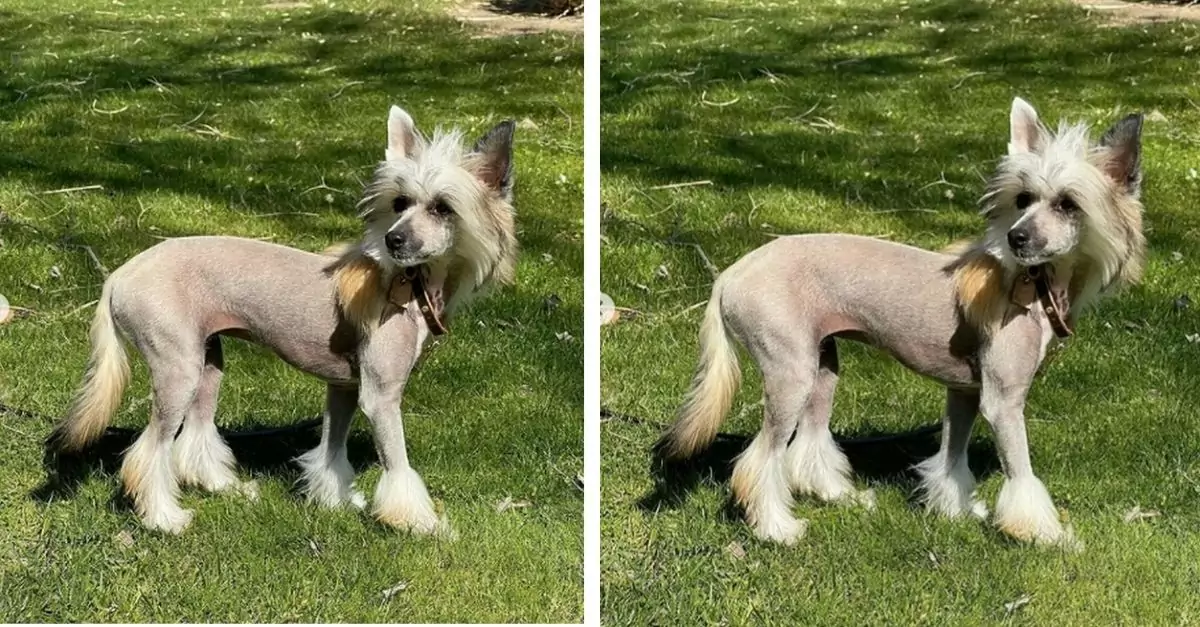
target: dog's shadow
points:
(261, 451)
(877, 459)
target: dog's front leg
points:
(947, 485)
(328, 476)
(1023, 509)
(401, 499)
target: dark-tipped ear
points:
(1124, 164)
(496, 167)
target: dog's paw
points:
(172, 522)
(978, 510)
(1025, 512)
(864, 499)
(249, 490)
(785, 531)
(357, 500)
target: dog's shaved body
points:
(832, 285)
(284, 299)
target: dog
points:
(1064, 227)
(439, 229)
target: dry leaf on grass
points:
(1013, 606)
(1137, 513)
(736, 550)
(124, 538)
(394, 590)
(508, 503)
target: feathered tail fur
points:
(711, 395)
(103, 384)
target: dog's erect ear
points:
(496, 167)
(402, 134)
(1023, 127)
(1124, 141)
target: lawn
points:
(882, 118)
(263, 121)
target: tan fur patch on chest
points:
(979, 285)
(359, 294)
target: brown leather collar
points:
(411, 284)
(1055, 303)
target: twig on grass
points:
(712, 269)
(96, 109)
(208, 129)
(67, 190)
(679, 185)
(941, 181)
(325, 187)
(705, 101)
(95, 260)
(285, 213)
(338, 93)
(81, 308)
(688, 309)
(968, 76)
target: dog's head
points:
(437, 201)
(1058, 195)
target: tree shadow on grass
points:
(260, 450)
(877, 459)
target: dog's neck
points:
(423, 287)
(1047, 287)
(987, 287)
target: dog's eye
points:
(401, 203)
(1024, 199)
(1068, 205)
(442, 208)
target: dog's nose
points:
(1018, 238)
(393, 241)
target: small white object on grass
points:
(1137, 513)
(1013, 606)
(736, 550)
(508, 503)
(124, 538)
(394, 590)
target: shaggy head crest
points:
(1057, 198)
(434, 202)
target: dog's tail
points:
(100, 395)
(711, 395)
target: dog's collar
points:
(411, 283)
(1038, 281)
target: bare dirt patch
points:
(1127, 13)
(493, 22)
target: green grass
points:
(224, 118)
(881, 118)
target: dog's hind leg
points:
(816, 464)
(760, 476)
(328, 476)
(200, 454)
(147, 471)
(947, 485)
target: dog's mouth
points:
(406, 260)
(1027, 260)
